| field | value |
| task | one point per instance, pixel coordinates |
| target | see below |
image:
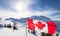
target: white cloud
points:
(55, 18)
(26, 13)
(21, 7)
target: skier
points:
(14, 27)
(4, 25)
(8, 26)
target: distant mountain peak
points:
(42, 18)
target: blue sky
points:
(5, 4)
(37, 5)
(55, 4)
(48, 5)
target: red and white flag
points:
(50, 26)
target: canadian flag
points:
(50, 26)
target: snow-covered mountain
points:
(24, 20)
(42, 18)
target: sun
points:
(20, 6)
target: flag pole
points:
(26, 29)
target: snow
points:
(9, 32)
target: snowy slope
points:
(9, 32)
(20, 32)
